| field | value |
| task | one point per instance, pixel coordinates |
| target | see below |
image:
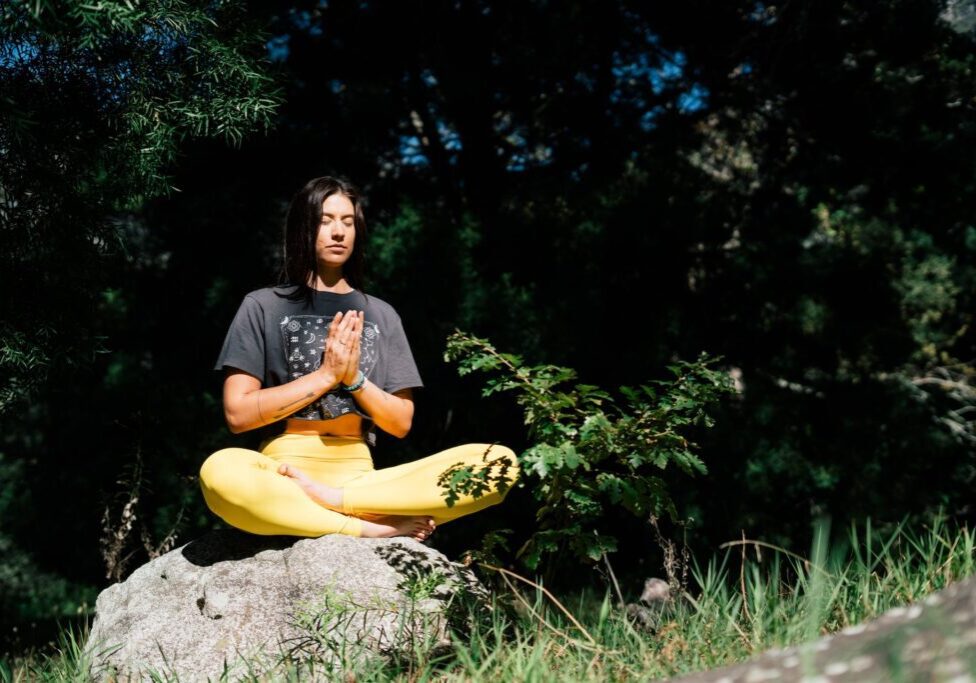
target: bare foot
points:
(419, 527)
(326, 496)
(374, 525)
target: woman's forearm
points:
(264, 406)
(392, 414)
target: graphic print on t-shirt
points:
(303, 338)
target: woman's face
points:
(337, 229)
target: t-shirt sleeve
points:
(402, 372)
(244, 344)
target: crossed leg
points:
(243, 487)
(262, 495)
(416, 488)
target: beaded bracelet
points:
(359, 383)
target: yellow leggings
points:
(243, 486)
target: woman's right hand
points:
(338, 347)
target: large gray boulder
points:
(931, 640)
(245, 603)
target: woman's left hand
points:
(352, 369)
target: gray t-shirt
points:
(277, 340)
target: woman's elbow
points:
(231, 426)
(404, 426)
(231, 420)
(402, 430)
(238, 386)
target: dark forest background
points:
(605, 186)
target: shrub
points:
(587, 452)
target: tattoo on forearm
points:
(285, 409)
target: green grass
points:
(749, 598)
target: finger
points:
(336, 326)
(354, 353)
(326, 345)
(342, 327)
(358, 335)
(339, 323)
(335, 331)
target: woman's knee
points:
(506, 460)
(217, 471)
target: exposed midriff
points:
(345, 425)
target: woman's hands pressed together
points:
(340, 359)
(393, 413)
(248, 406)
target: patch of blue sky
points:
(693, 100)
(303, 21)
(762, 13)
(167, 40)
(116, 91)
(111, 77)
(449, 136)
(647, 119)
(521, 153)
(635, 73)
(412, 151)
(517, 160)
(428, 78)
(638, 69)
(541, 155)
(17, 52)
(515, 139)
(278, 48)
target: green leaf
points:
(572, 458)
(583, 504)
(611, 485)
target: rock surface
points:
(652, 607)
(217, 601)
(931, 640)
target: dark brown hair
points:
(301, 229)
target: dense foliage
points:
(96, 103)
(587, 454)
(606, 187)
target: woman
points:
(332, 364)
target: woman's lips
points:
(336, 248)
